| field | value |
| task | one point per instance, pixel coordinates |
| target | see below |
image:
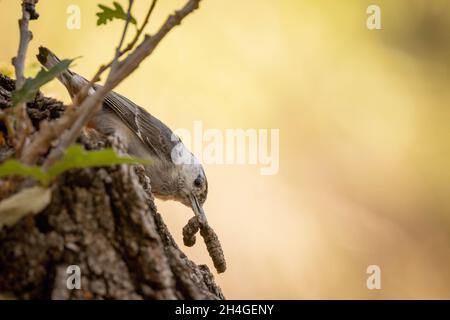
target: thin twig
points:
(122, 39)
(130, 45)
(91, 105)
(140, 30)
(25, 37)
(28, 13)
(149, 44)
(23, 124)
(83, 93)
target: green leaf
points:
(32, 86)
(109, 14)
(16, 168)
(77, 157)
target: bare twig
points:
(23, 122)
(130, 45)
(68, 127)
(28, 13)
(122, 39)
(87, 109)
(140, 30)
(25, 38)
(149, 44)
(83, 93)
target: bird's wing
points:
(154, 134)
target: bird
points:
(174, 172)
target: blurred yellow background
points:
(364, 119)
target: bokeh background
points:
(364, 119)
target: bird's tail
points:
(72, 81)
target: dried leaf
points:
(27, 201)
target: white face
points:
(192, 183)
(195, 182)
(194, 189)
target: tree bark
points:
(103, 220)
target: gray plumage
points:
(146, 137)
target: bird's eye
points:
(198, 182)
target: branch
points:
(81, 95)
(140, 30)
(28, 13)
(25, 38)
(86, 110)
(23, 122)
(48, 132)
(149, 44)
(129, 47)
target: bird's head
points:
(191, 183)
(194, 188)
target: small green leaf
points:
(77, 157)
(109, 14)
(16, 168)
(32, 86)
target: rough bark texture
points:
(104, 220)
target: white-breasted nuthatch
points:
(175, 173)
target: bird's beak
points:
(198, 210)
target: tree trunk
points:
(102, 220)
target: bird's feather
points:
(154, 134)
